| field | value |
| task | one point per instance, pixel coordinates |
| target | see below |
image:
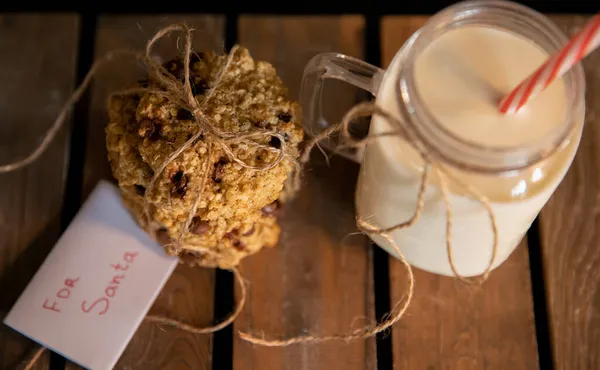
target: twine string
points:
(160, 319)
(180, 94)
(34, 356)
(406, 132)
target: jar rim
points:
(448, 146)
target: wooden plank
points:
(448, 325)
(37, 78)
(570, 232)
(314, 281)
(188, 295)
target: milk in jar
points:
(457, 81)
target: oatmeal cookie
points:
(227, 241)
(143, 131)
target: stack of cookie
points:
(236, 215)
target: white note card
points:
(95, 287)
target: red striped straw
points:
(558, 64)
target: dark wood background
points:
(540, 309)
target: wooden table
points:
(540, 309)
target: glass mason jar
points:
(516, 179)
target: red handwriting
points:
(53, 307)
(101, 305)
(63, 293)
(97, 301)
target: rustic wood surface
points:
(570, 233)
(450, 326)
(189, 293)
(36, 77)
(315, 281)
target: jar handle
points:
(340, 67)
